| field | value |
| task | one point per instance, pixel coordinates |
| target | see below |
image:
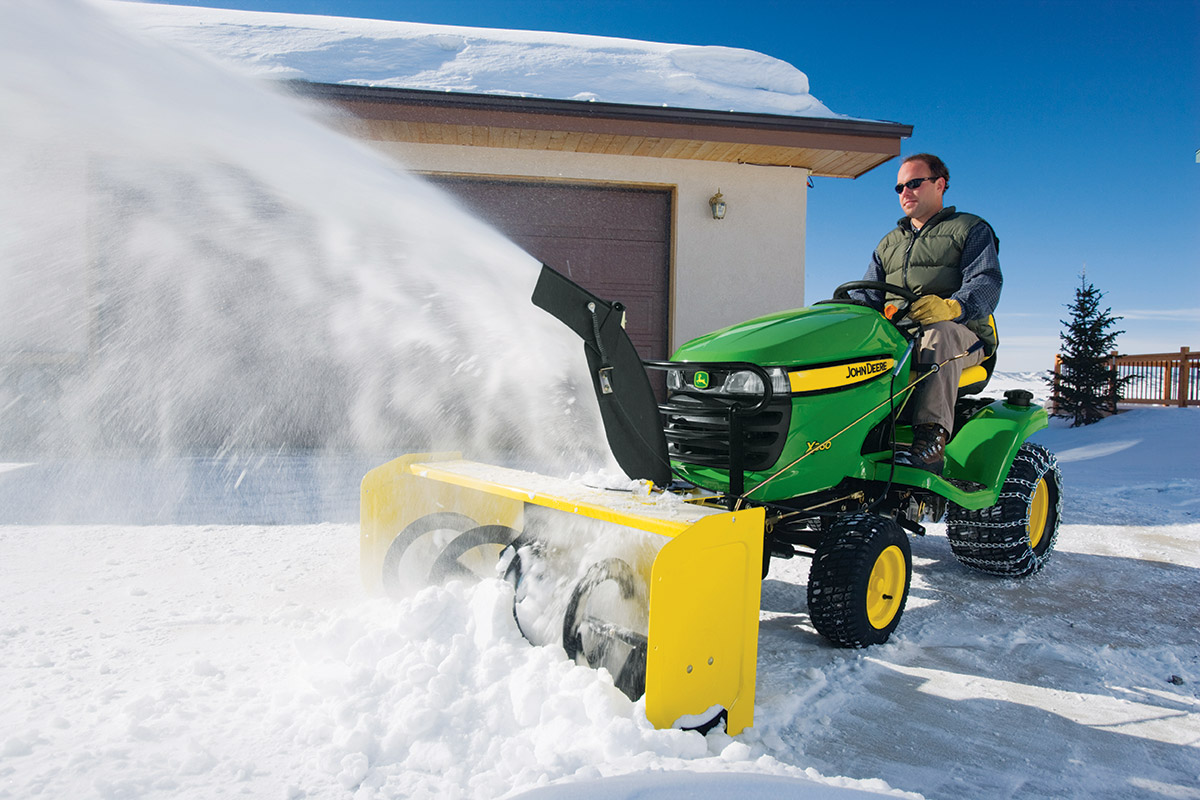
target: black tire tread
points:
(837, 580)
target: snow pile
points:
(442, 691)
(182, 660)
(484, 61)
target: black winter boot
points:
(928, 449)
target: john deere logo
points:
(700, 380)
(867, 369)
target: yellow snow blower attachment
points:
(436, 517)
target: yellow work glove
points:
(931, 308)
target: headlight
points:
(747, 382)
(744, 382)
(674, 379)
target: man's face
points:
(923, 202)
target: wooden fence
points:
(1161, 379)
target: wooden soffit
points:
(828, 147)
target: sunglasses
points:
(913, 184)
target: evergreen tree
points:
(1087, 388)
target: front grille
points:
(697, 427)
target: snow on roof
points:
(410, 55)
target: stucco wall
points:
(748, 264)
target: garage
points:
(614, 241)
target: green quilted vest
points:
(928, 262)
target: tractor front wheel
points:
(859, 580)
(1014, 537)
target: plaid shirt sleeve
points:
(872, 297)
(981, 278)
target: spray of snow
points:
(193, 263)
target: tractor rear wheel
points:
(859, 580)
(1014, 537)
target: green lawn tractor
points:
(770, 439)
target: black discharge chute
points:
(628, 406)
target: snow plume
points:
(192, 262)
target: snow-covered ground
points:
(207, 660)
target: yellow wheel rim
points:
(1039, 511)
(885, 587)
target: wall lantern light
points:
(717, 204)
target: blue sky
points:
(1071, 126)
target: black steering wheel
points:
(842, 295)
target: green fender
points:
(984, 449)
(981, 453)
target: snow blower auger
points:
(775, 441)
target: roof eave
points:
(835, 147)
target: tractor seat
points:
(971, 376)
(975, 378)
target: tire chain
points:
(996, 539)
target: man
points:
(950, 259)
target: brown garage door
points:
(615, 242)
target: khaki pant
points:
(935, 396)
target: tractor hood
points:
(816, 335)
